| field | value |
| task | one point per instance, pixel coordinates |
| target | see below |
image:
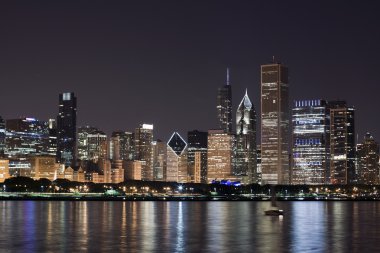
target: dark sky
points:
(161, 62)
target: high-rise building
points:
(245, 154)
(197, 156)
(83, 143)
(4, 169)
(2, 136)
(122, 146)
(368, 161)
(132, 170)
(176, 163)
(52, 148)
(26, 136)
(224, 106)
(159, 160)
(144, 150)
(274, 124)
(220, 147)
(97, 145)
(310, 154)
(341, 143)
(44, 167)
(67, 129)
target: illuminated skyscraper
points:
(368, 160)
(159, 160)
(224, 106)
(97, 145)
(83, 145)
(246, 156)
(219, 156)
(197, 156)
(342, 143)
(67, 129)
(144, 150)
(274, 124)
(2, 136)
(310, 142)
(122, 146)
(26, 136)
(176, 160)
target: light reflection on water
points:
(53, 226)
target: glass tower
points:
(274, 124)
(197, 156)
(224, 106)
(176, 163)
(368, 160)
(144, 150)
(310, 139)
(246, 156)
(66, 126)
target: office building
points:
(176, 160)
(66, 128)
(44, 167)
(368, 161)
(144, 150)
(197, 156)
(245, 153)
(159, 160)
(4, 169)
(274, 124)
(224, 106)
(121, 146)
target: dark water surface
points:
(96, 226)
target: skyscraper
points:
(2, 136)
(122, 146)
(219, 156)
(342, 142)
(274, 124)
(144, 150)
(310, 142)
(246, 156)
(368, 160)
(159, 160)
(67, 129)
(83, 144)
(197, 156)
(224, 106)
(176, 163)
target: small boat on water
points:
(274, 211)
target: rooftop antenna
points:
(273, 59)
(228, 76)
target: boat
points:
(274, 211)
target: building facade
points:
(274, 124)
(144, 150)
(176, 163)
(368, 161)
(224, 106)
(67, 129)
(197, 156)
(245, 155)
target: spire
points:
(246, 92)
(246, 102)
(228, 76)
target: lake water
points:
(106, 226)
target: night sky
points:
(161, 62)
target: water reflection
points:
(28, 226)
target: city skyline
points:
(103, 56)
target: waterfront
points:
(240, 226)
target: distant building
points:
(2, 136)
(219, 156)
(176, 163)
(245, 155)
(368, 161)
(26, 136)
(274, 124)
(159, 160)
(44, 167)
(132, 170)
(97, 145)
(52, 147)
(122, 146)
(83, 143)
(66, 127)
(105, 168)
(310, 142)
(341, 143)
(4, 170)
(197, 156)
(144, 150)
(224, 106)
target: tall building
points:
(176, 163)
(144, 150)
(97, 145)
(220, 147)
(224, 106)
(342, 143)
(274, 124)
(83, 144)
(159, 160)
(26, 136)
(310, 156)
(122, 146)
(4, 169)
(368, 161)
(197, 156)
(67, 129)
(44, 167)
(52, 148)
(246, 156)
(2, 135)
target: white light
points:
(147, 126)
